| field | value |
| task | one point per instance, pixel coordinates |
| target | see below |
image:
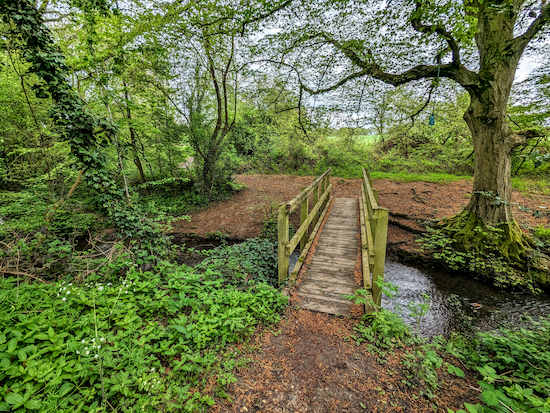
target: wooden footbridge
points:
(348, 237)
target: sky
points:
(525, 67)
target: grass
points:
(528, 185)
(438, 178)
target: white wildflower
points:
(102, 339)
(88, 352)
(77, 352)
(64, 299)
(83, 341)
(96, 356)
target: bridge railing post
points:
(380, 238)
(304, 210)
(282, 233)
(315, 200)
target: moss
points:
(502, 254)
(469, 232)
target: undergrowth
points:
(512, 364)
(119, 339)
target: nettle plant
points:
(144, 341)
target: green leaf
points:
(66, 388)
(453, 369)
(13, 398)
(12, 345)
(490, 397)
(33, 404)
(4, 407)
(471, 408)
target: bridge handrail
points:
(374, 231)
(320, 187)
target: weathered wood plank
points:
(303, 255)
(321, 286)
(342, 227)
(331, 272)
(335, 300)
(348, 263)
(336, 269)
(337, 252)
(322, 306)
(329, 278)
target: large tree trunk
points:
(486, 118)
(493, 144)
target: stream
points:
(488, 306)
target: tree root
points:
(469, 232)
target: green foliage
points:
(543, 234)
(514, 368)
(253, 259)
(438, 178)
(24, 212)
(142, 341)
(385, 331)
(484, 258)
(527, 184)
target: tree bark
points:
(486, 117)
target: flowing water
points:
(486, 305)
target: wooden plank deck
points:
(330, 274)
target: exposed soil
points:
(308, 363)
(410, 204)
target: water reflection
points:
(486, 304)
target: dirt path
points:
(309, 363)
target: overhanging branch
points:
(543, 18)
(455, 71)
(438, 29)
